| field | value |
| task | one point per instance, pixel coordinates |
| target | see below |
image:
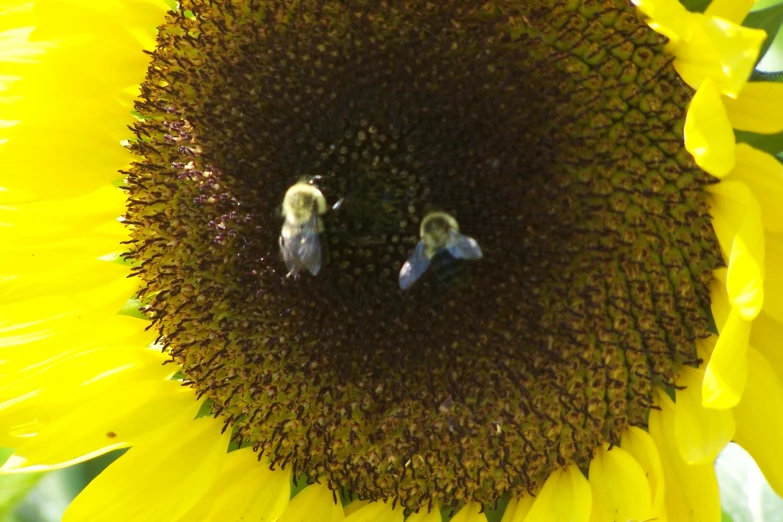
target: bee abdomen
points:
(446, 268)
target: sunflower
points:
(618, 332)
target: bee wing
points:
(463, 247)
(310, 245)
(302, 248)
(414, 267)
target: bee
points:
(441, 245)
(300, 245)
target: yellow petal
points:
(758, 108)
(38, 399)
(719, 298)
(37, 345)
(15, 47)
(97, 112)
(99, 367)
(727, 369)
(14, 197)
(508, 513)
(732, 10)
(71, 254)
(157, 480)
(56, 220)
(65, 19)
(759, 422)
(619, 487)
(354, 506)
(701, 433)
(98, 56)
(377, 512)
(773, 280)
(762, 173)
(708, 133)
(765, 331)
(110, 420)
(246, 489)
(94, 160)
(471, 512)
(667, 17)
(565, 496)
(717, 50)
(518, 508)
(425, 516)
(691, 489)
(737, 223)
(315, 503)
(69, 279)
(765, 336)
(706, 345)
(641, 446)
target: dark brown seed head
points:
(552, 131)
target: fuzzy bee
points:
(441, 246)
(300, 244)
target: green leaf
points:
(745, 495)
(298, 483)
(13, 488)
(51, 495)
(763, 4)
(495, 515)
(770, 20)
(132, 308)
(763, 76)
(47, 501)
(772, 143)
(695, 6)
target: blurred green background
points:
(43, 497)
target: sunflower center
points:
(551, 131)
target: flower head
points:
(573, 366)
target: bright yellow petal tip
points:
(708, 133)
(719, 50)
(727, 369)
(708, 46)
